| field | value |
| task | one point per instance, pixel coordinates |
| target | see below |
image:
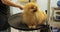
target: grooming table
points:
(15, 21)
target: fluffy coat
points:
(33, 15)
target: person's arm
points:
(11, 3)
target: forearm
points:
(10, 3)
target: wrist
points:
(20, 6)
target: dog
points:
(33, 15)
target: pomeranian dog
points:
(33, 15)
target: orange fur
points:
(32, 19)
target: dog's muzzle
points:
(34, 10)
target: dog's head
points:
(31, 7)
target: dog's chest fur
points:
(30, 18)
